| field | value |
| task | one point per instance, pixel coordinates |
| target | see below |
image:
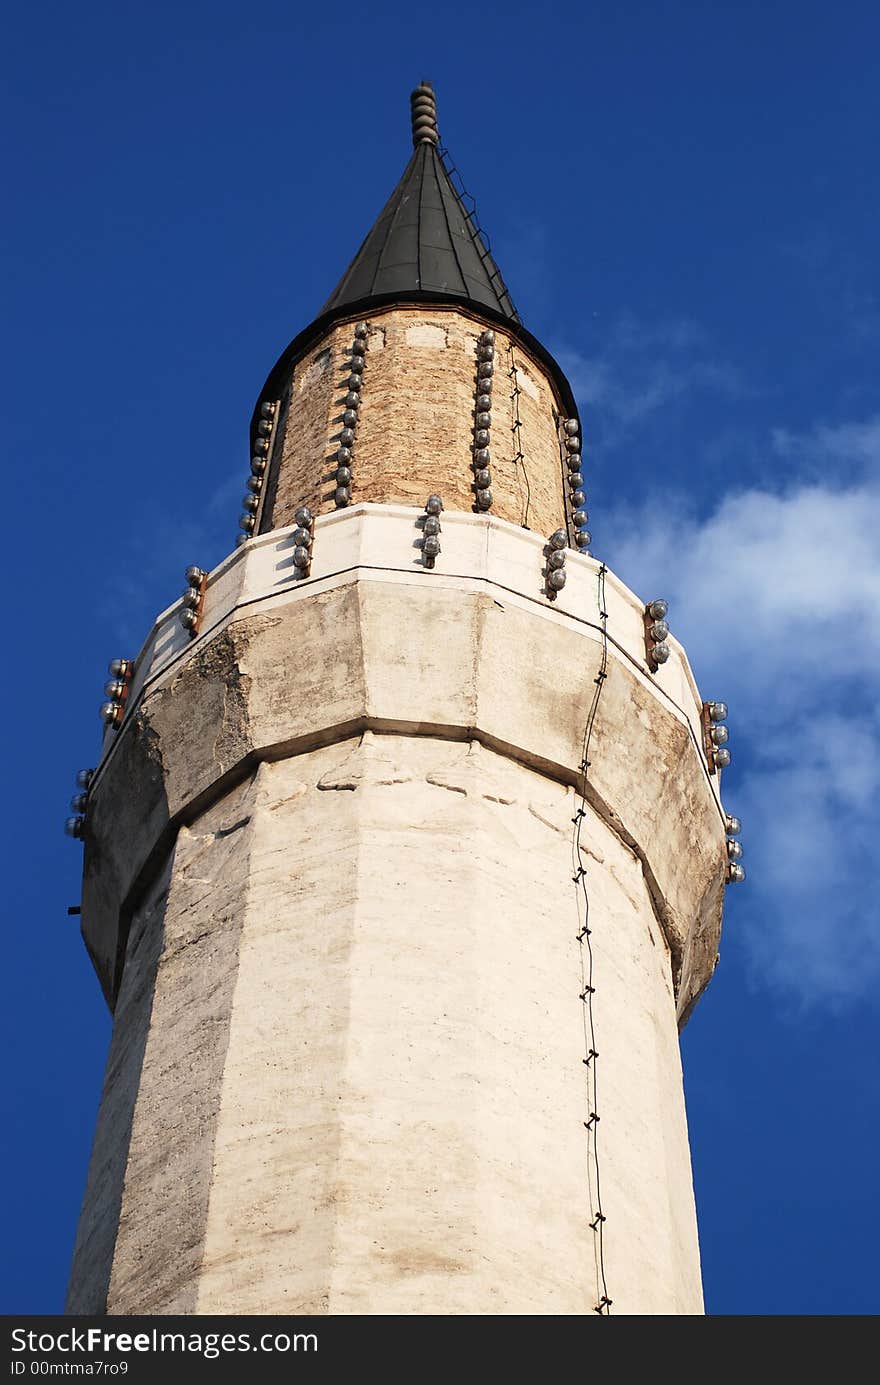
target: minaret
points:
(404, 856)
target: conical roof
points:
(424, 245)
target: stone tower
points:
(404, 856)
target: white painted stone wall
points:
(347, 1071)
(384, 1112)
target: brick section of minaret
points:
(416, 422)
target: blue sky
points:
(684, 202)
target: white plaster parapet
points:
(370, 540)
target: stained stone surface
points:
(393, 651)
(361, 1089)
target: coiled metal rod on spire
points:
(424, 115)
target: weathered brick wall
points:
(414, 433)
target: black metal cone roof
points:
(423, 248)
(424, 245)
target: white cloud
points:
(851, 448)
(793, 578)
(777, 599)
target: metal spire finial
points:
(424, 115)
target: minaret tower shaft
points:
(355, 795)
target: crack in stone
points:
(236, 827)
(444, 781)
(300, 790)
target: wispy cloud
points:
(642, 369)
(164, 544)
(849, 449)
(776, 595)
